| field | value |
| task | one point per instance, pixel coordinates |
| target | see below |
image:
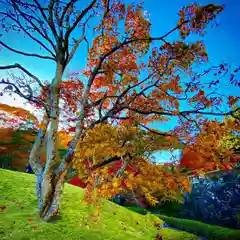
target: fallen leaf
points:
(3, 208)
(35, 227)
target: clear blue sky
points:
(222, 43)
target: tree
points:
(220, 195)
(112, 89)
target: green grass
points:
(19, 221)
(139, 210)
(211, 232)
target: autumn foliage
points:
(210, 150)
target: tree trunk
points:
(49, 190)
(49, 183)
(52, 132)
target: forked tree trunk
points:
(49, 190)
(49, 180)
(49, 183)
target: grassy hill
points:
(19, 221)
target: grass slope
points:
(19, 220)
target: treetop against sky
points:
(221, 42)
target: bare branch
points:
(65, 10)
(29, 98)
(230, 113)
(118, 117)
(56, 13)
(26, 54)
(101, 104)
(74, 25)
(45, 36)
(161, 133)
(29, 5)
(107, 9)
(77, 42)
(155, 132)
(123, 167)
(16, 65)
(28, 34)
(50, 19)
(180, 113)
(106, 162)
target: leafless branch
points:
(17, 21)
(30, 98)
(29, 5)
(106, 162)
(36, 28)
(180, 113)
(78, 42)
(50, 20)
(101, 104)
(156, 132)
(76, 22)
(26, 54)
(107, 10)
(16, 65)
(123, 167)
(119, 117)
(66, 9)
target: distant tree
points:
(214, 201)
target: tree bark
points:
(35, 155)
(54, 120)
(49, 189)
(49, 183)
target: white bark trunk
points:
(35, 155)
(49, 189)
(51, 153)
(49, 185)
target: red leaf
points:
(226, 167)
(123, 182)
(68, 144)
(110, 170)
(72, 129)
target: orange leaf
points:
(3, 208)
(232, 100)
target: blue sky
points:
(222, 43)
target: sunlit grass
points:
(19, 219)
